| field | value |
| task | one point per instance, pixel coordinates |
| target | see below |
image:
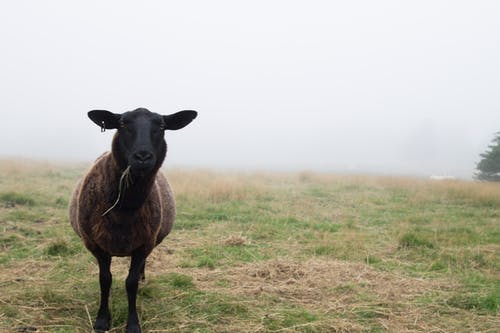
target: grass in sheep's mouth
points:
(125, 182)
(263, 252)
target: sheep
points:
(123, 206)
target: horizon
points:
(20, 161)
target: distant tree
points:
(489, 166)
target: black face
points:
(140, 141)
(140, 138)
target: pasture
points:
(263, 252)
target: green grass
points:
(264, 253)
(414, 239)
(60, 248)
(14, 198)
(482, 303)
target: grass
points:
(414, 239)
(14, 198)
(264, 252)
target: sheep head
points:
(139, 142)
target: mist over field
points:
(366, 87)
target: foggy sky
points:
(406, 87)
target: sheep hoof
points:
(102, 324)
(133, 329)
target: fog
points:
(394, 87)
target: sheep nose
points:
(143, 156)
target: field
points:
(264, 252)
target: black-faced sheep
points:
(123, 206)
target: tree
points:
(489, 166)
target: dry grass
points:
(236, 240)
(339, 291)
(215, 187)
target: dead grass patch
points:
(344, 293)
(317, 279)
(235, 240)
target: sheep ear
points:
(179, 120)
(105, 119)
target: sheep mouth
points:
(141, 167)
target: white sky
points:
(365, 86)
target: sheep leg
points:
(142, 276)
(103, 321)
(131, 284)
